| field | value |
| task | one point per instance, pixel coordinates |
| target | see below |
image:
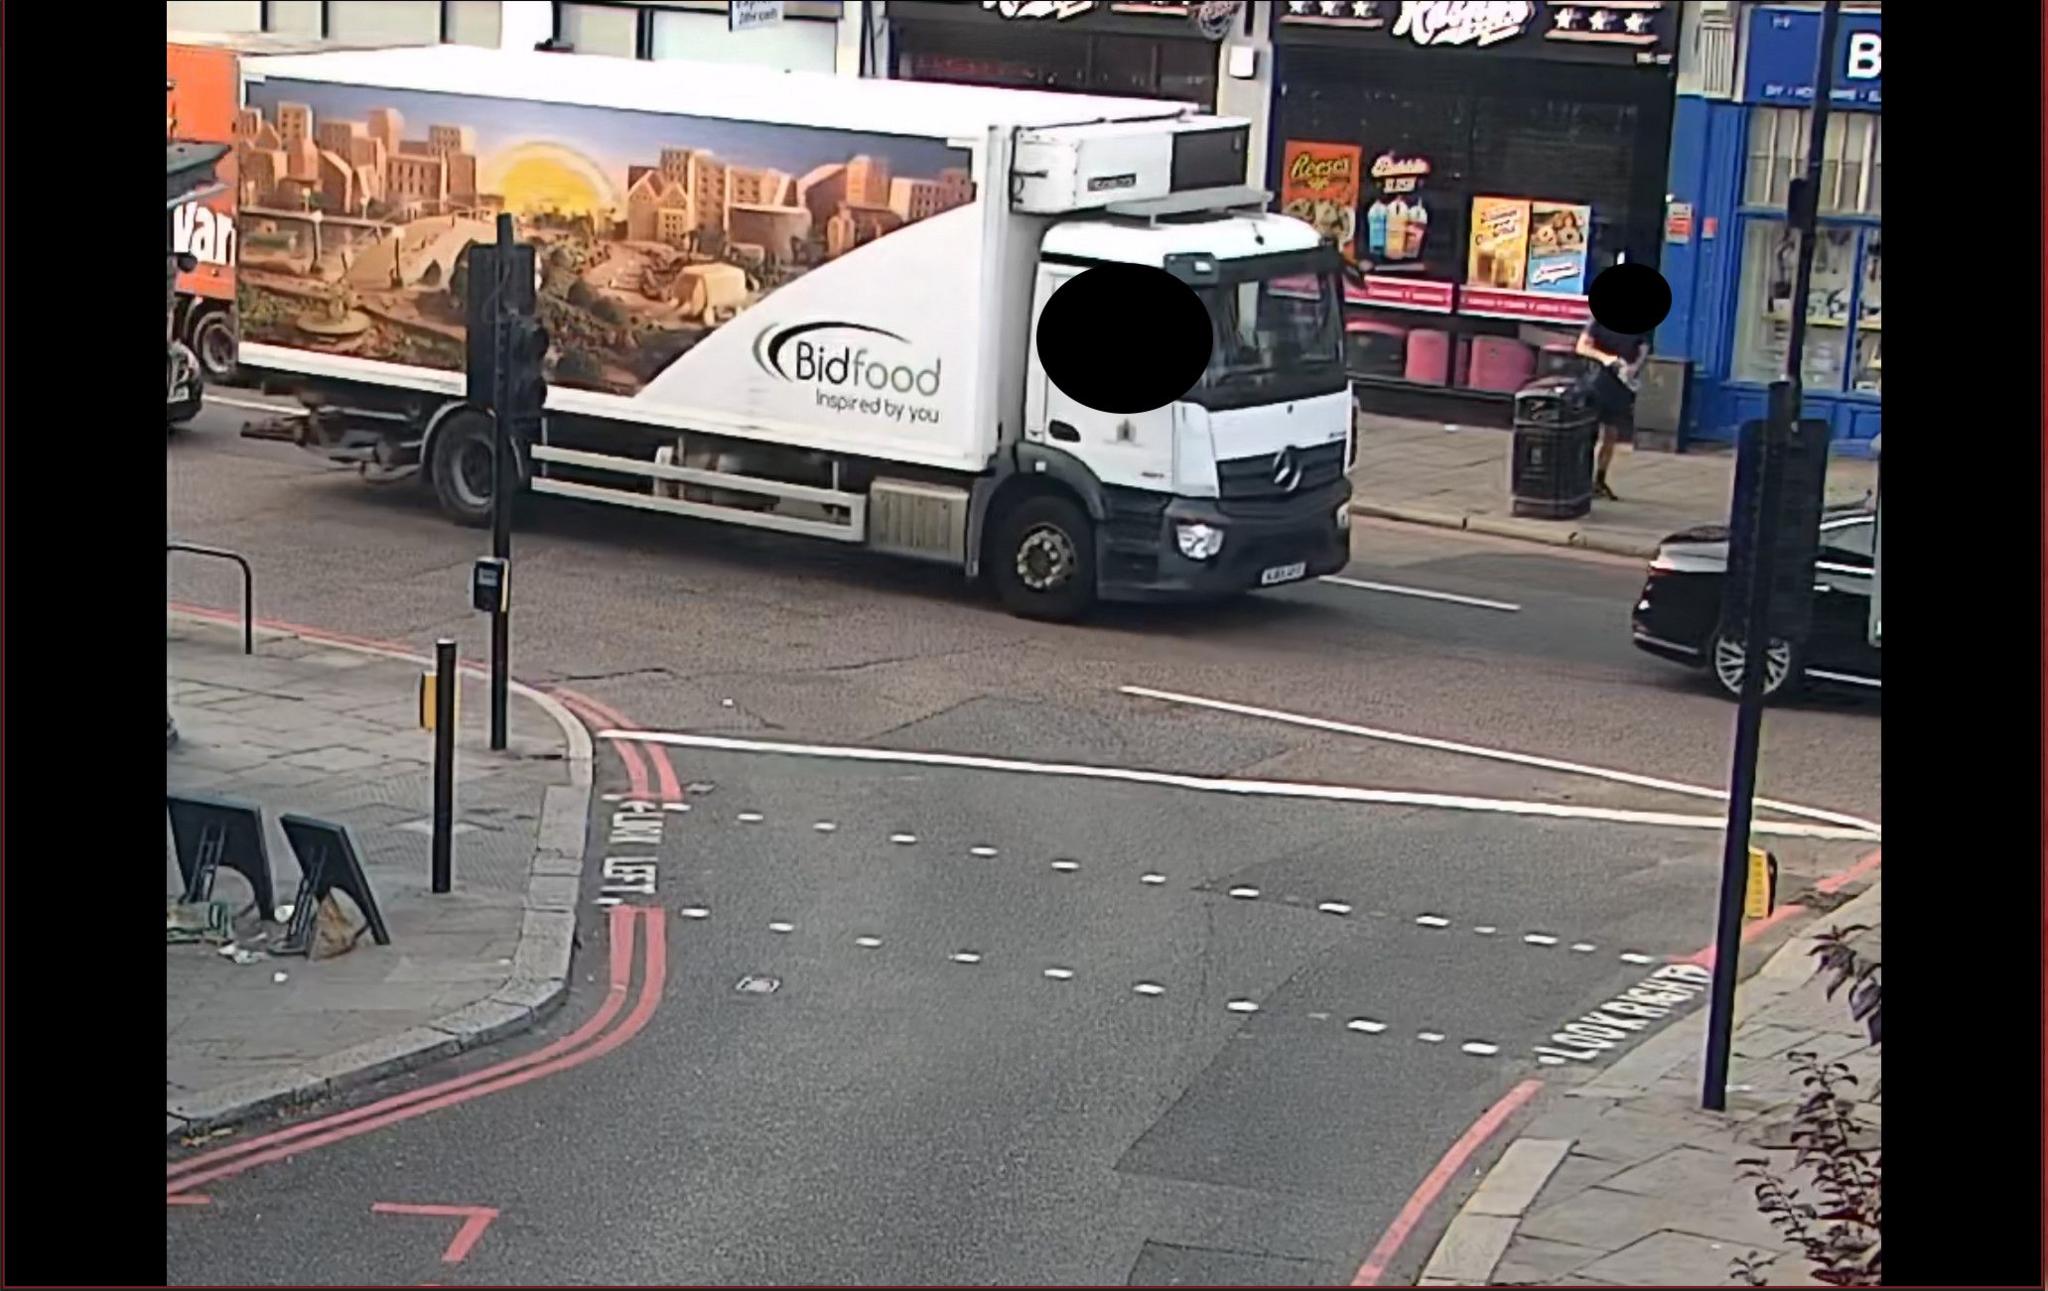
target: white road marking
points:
(1066, 867)
(824, 827)
(694, 912)
(1432, 921)
(1479, 1048)
(1486, 930)
(1430, 1037)
(1152, 878)
(1320, 1017)
(751, 817)
(1243, 788)
(1539, 939)
(1245, 894)
(1549, 1060)
(1367, 1025)
(675, 806)
(1427, 594)
(1334, 907)
(867, 943)
(1637, 957)
(903, 840)
(1060, 974)
(1584, 947)
(1243, 1006)
(1149, 988)
(966, 957)
(1864, 828)
(982, 851)
(780, 926)
(608, 900)
(228, 401)
(613, 797)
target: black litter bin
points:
(1551, 476)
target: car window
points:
(1848, 542)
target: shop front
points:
(1731, 259)
(1130, 49)
(1477, 164)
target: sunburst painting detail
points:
(538, 177)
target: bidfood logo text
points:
(853, 368)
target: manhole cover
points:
(753, 985)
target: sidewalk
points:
(1626, 1181)
(332, 732)
(1426, 473)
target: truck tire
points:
(461, 468)
(213, 342)
(1043, 560)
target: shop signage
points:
(1781, 58)
(1319, 186)
(1399, 174)
(1678, 223)
(1213, 16)
(1499, 253)
(1397, 223)
(1402, 293)
(752, 15)
(1619, 31)
(1558, 233)
(1536, 306)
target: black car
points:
(1678, 616)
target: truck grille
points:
(1254, 477)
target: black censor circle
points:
(1629, 298)
(1124, 338)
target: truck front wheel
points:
(213, 341)
(1043, 563)
(461, 468)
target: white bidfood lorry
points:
(802, 303)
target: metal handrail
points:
(248, 586)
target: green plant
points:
(1840, 1230)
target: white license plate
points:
(1284, 573)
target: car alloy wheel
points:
(1729, 659)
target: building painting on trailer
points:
(359, 206)
(1727, 252)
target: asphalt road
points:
(1079, 1030)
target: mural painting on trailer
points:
(652, 230)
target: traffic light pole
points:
(1782, 413)
(502, 475)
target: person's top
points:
(1623, 346)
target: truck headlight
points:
(1198, 541)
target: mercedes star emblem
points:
(1286, 471)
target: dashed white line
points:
(1479, 1048)
(675, 806)
(1486, 930)
(1430, 1037)
(1149, 988)
(1423, 593)
(1583, 947)
(1366, 1025)
(1066, 867)
(1539, 939)
(1549, 1060)
(966, 957)
(751, 817)
(1154, 879)
(608, 900)
(825, 827)
(903, 840)
(1060, 974)
(867, 943)
(1243, 1006)
(1245, 894)
(1636, 957)
(694, 912)
(981, 851)
(780, 926)
(1432, 921)
(1334, 907)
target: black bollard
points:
(445, 681)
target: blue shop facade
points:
(1727, 252)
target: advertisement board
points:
(1319, 185)
(1500, 243)
(1559, 234)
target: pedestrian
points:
(1612, 386)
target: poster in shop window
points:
(1500, 243)
(1319, 186)
(1558, 237)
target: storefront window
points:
(1852, 163)
(1770, 266)
(1125, 66)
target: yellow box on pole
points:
(1760, 897)
(429, 689)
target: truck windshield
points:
(1277, 334)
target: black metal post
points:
(502, 474)
(446, 678)
(1782, 413)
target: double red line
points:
(591, 1040)
(636, 755)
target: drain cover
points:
(752, 985)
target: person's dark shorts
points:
(1614, 402)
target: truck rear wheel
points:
(213, 341)
(1043, 563)
(461, 468)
